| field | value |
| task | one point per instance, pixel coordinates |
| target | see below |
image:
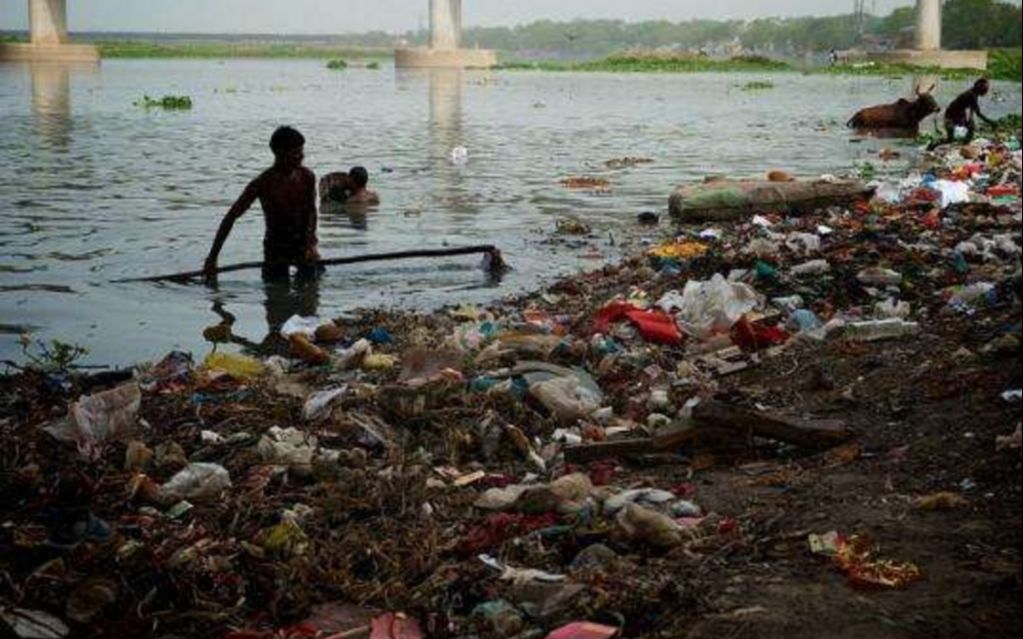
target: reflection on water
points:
(51, 102)
(51, 98)
(354, 216)
(94, 189)
(281, 300)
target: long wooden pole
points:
(496, 264)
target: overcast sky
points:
(339, 16)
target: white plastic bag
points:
(287, 447)
(952, 192)
(713, 306)
(197, 481)
(320, 405)
(567, 398)
(97, 419)
(297, 325)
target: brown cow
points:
(903, 116)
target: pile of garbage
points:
(526, 470)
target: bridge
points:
(927, 51)
(48, 38)
(49, 41)
(445, 50)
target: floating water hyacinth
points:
(168, 102)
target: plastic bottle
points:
(877, 276)
(813, 267)
(877, 330)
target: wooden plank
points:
(818, 433)
(584, 453)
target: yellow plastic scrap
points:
(378, 362)
(684, 250)
(286, 539)
(239, 366)
(854, 556)
(467, 312)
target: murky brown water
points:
(94, 189)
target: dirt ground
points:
(391, 521)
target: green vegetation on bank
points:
(1003, 64)
(1006, 64)
(337, 65)
(150, 49)
(655, 63)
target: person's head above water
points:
(287, 145)
(982, 86)
(359, 176)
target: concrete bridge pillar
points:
(445, 50)
(47, 22)
(445, 24)
(928, 25)
(48, 38)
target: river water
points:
(93, 188)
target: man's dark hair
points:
(359, 175)
(982, 84)
(286, 139)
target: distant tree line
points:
(968, 24)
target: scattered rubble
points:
(641, 451)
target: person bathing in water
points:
(287, 193)
(348, 188)
(361, 194)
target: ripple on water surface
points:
(94, 189)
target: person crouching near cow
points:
(960, 114)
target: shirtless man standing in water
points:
(287, 193)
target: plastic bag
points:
(714, 306)
(583, 630)
(813, 267)
(648, 526)
(637, 495)
(654, 325)
(892, 308)
(97, 419)
(307, 326)
(880, 330)
(879, 276)
(287, 447)
(235, 365)
(952, 192)
(33, 624)
(803, 243)
(566, 398)
(195, 482)
(319, 406)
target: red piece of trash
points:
(395, 626)
(654, 325)
(754, 337)
(583, 630)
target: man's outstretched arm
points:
(244, 202)
(983, 117)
